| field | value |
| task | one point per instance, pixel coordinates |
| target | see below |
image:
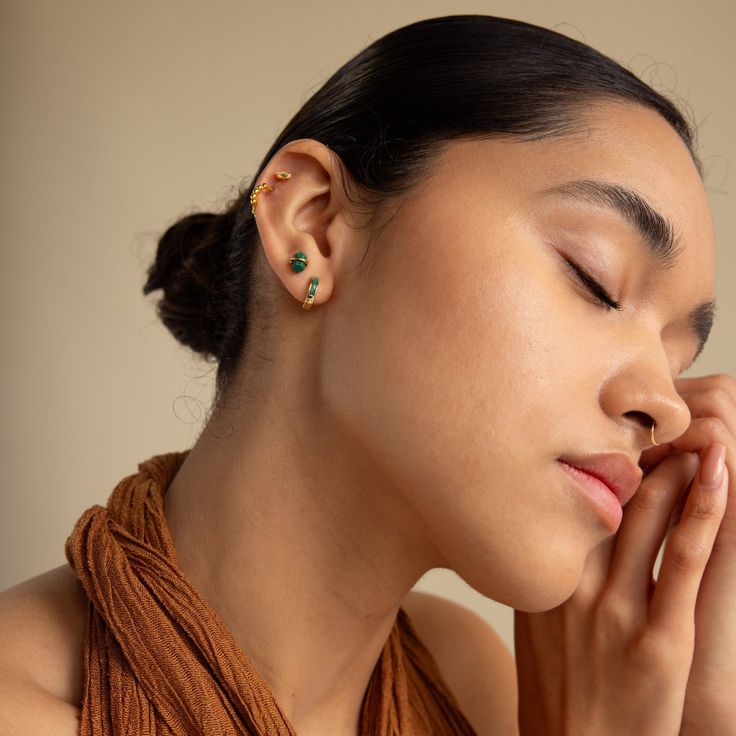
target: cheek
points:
(446, 353)
(464, 318)
(449, 373)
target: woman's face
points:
(469, 356)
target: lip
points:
(616, 469)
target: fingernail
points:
(711, 473)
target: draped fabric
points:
(158, 660)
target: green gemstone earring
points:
(298, 262)
(309, 301)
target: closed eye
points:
(600, 294)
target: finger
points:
(645, 523)
(719, 401)
(722, 380)
(677, 511)
(702, 433)
(650, 457)
(712, 401)
(698, 437)
(686, 553)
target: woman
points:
(473, 263)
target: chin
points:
(538, 584)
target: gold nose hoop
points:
(654, 442)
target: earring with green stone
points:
(298, 261)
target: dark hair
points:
(385, 113)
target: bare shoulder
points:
(42, 626)
(474, 660)
(29, 711)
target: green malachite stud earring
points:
(298, 261)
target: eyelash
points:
(600, 294)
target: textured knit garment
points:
(158, 659)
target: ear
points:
(306, 212)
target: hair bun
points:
(189, 268)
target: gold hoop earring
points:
(654, 442)
(311, 291)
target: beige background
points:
(118, 118)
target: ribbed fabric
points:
(158, 660)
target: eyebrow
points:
(655, 230)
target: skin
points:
(413, 418)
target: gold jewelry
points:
(282, 175)
(255, 193)
(298, 261)
(309, 301)
(654, 442)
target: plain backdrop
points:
(118, 118)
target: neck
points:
(286, 530)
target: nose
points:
(644, 395)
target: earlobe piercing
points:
(654, 442)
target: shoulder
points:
(42, 626)
(27, 710)
(474, 660)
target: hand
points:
(616, 657)
(710, 703)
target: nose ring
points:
(654, 442)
